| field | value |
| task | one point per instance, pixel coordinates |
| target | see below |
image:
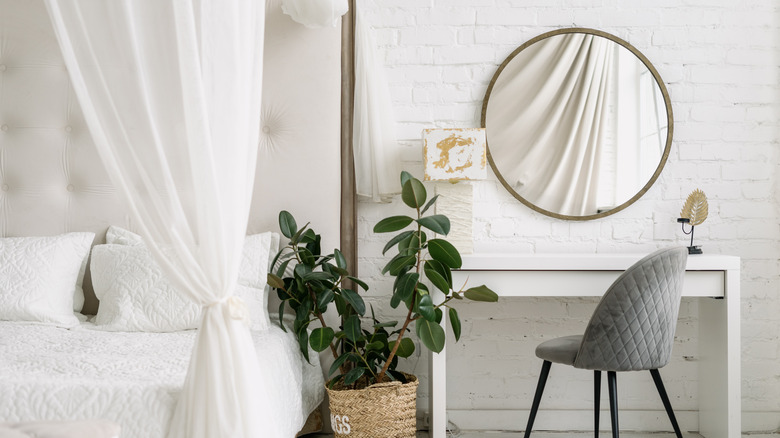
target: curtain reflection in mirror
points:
(563, 122)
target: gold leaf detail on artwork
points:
(446, 146)
(695, 208)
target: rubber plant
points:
(367, 355)
(419, 258)
(308, 282)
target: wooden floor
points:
(605, 434)
(477, 434)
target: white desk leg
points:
(437, 389)
(719, 363)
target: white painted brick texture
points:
(720, 60)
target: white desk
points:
(714, 278)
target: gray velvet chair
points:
(632, 329)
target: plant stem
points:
(318, 314)
(390, 358)
(381, 376)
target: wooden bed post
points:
(348, 241)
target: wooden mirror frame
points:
(669, 117)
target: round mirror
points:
(578, 124)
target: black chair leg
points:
(613, 403)
(596, 400)
(537, 397)
(659, 385)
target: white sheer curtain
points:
(558, 104)
(315, 13)
(171, 91)
(376, 151)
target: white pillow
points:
(134, 295)
(38, 277)
(121, 236)
(78, 294)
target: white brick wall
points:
(721, 62)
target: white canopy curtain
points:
(170, 90)
(315, 13)
(557, 101)
(376, 151)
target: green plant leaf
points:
(282, 268)
(437, 223)
(352, 328)
(405, 176)
(359, 282)
(337, 363)
(308, 236)
(429, 204)
(425, 308)
(436, 278)
(439, 315)
(324, 298)
(410, 245)
(274, 281)
(430, 334)
(307, 258)
(386, 324)
(405, 348)
(406, 285)
(332, 382)
(341, 305)
(354, 374)
(392, 223)
(281, 316)
(422, 289)
(442, 269)
(303, 342)
(399, 276)
(315, 246)
(376, 346)
(396, 239)
(455, 323)
(355, 300)
(443, 251)
(323, 260)
(303, 310)
(397, 264)
(341, 261)
(321, 338)
(287, 224)
(481, 293)
(397, 375)
(413, 193)
(317, 275)
(301, 269)
(395, 300)
(297, 236)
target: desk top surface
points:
(585, 262)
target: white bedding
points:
(50, 373)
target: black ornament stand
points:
(691, 249)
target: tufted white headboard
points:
(52, 180)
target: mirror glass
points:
(578, 124)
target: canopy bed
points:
(55, 183)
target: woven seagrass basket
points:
(383, 410)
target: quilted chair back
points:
(633, 326)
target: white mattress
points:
(134, 379)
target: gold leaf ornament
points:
(695, 208)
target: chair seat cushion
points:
(560, 350)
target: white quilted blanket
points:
(134, 379)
